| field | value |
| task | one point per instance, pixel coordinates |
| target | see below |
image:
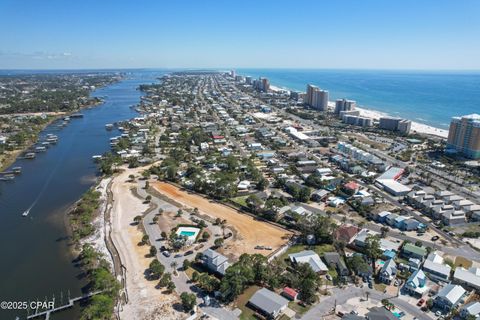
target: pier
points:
(71, 303)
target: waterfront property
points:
(464, 136)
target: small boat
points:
(17, 170)
(96, 158)
(7, 177)
(30, 155)
(40, 149)
(76, 115)
(26, 212)
(66, 119)
(109, 126)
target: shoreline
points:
(417, 127)
(57, 115)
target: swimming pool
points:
(190, 233)
(187, 233)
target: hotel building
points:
(464, 135)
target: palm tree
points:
(174, 266)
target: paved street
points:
(341, 296)
(215, 309)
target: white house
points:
(435, 268)
(449, 297)
(310, 257)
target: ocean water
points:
(429, 97)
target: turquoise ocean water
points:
(430, 97)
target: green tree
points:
(195, 276)
(372, 249)
(100, 308)
(171, 286)
(137, 219)
(153, 251)
(218, 242)
(186, 264)
(165, 280)
(156, 269)
(188, 301)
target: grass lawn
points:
(242, 300)
(240, 200)
(379, 286)
(189, 272)
(297, 308)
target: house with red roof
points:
(290, 293)
(346, 233)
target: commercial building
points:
(316, 98)
(344, 105)
(395, 124)
(248, 80)
(464, 136)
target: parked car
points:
(189, 252)
(435, 238)
(166, 253)
(420, 302)
(329, 277)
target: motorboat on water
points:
(26, 212)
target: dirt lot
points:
(145, 301)
(251, 232)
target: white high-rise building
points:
(344, 105)
(316, 98)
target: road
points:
(215, 309)
(341, 296)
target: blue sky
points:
(365, 34)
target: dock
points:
(71, 303)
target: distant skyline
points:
(334, 34)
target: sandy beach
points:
(416, 126)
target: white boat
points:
(26, 212)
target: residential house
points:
(215, 262)
(345, 233)
(410, 224)
(471, 309)
(469, 278)
(319, 195)
(434, 267)
(382, 216)
(451, 218)
(361, 237)
(268, 303)
(449, 297)
(290, 293)
(335, 261)
(311, 258)
(399, 221)
(410, 250)
(416, 284)
(388, 271)
(390, 220)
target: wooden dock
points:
(71, 303)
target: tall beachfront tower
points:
(316, 98)
(464, 135)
